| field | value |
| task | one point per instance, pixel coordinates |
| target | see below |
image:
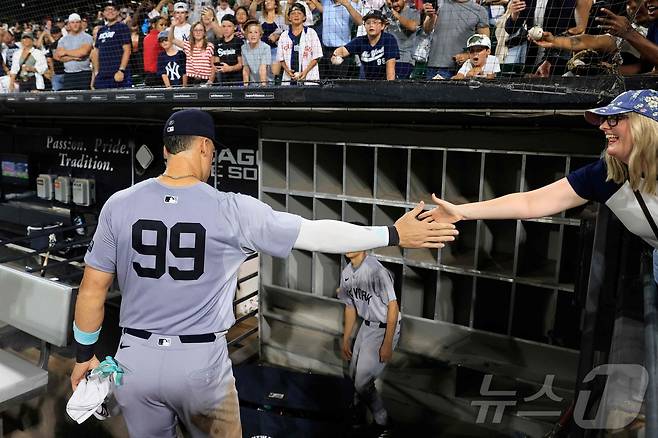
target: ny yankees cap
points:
(375, 14)
(643, 102)
(190, 122)
(297, 7)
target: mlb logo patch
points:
(170, 199)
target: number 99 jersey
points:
(176, 252)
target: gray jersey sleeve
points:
(343, 296)
(263, 229)
(102, 250)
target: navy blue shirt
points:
(109, 42)
(172, 66)
(590, 183)
(373, 58)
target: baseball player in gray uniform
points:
(366, 288)
(175, 245)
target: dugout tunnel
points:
(509, 303)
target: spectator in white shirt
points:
(28, 66)
(481, 63)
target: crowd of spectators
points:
(290, 42)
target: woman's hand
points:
(444, 212)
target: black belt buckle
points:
(378, 324)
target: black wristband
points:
(83, 352)
(393, 236)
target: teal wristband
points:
(85, 338)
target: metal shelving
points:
(512, 277)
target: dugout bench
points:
(41, 308)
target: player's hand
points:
(444, 212)
(385, 352)
(346, 352)
(80, 370)
(425, 233)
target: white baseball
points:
(536, 33)
(336, 60)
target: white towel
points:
(88, 397)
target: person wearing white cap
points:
(481, 63)
(74, 50)
(181, 26)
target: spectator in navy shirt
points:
(377, 49)
(630, 126)
(171, 63)
(112, 52)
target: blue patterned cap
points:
(643, 102)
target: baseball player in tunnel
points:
(366, 288)
(175, 245)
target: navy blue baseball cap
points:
(190, 122)
(643, 102)
(375, 14)
(297, 7)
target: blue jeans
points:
(655, 265)
(57, 82)
(446, 73)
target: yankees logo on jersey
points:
(372, 55)
(172, 70)
(359, 294)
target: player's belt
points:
(185, 339)
(374, 323)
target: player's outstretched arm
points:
(341, 237)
